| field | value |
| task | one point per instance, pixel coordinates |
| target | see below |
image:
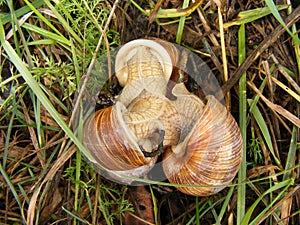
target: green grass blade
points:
(47, 34)
(140, 8)
(46, 21)
(284, 184)
(155, 207)
(16, 26)
(290, 161)
(75, 216)
(269, 205)
(241, 190)
(276, 14)
(78, 170)
(171, 13)
(103, 209)
(57, 101)
(197, 211)
(65, 24)
(37, 117)
(181, 23)
(252, 15)
(6, 18)
(7, 140)
(11, 187)
(213, 210)
(41, 42)
(225, 205)
(264, 129)
(256, 99)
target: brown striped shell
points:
(113, 145)
(210, 154)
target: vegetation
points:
(49, 46)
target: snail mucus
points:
(200, 142)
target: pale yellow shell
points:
(142, 58)
(152, 85)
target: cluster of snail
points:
(199, 141)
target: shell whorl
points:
(209, 156)
(143, 58)
(111, 142)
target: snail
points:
(148, 114)
(199, 141)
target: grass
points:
(46, 49)
(241, 191)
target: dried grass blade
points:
(58, 163)
(284, 204)
(287, 89)
(277, 108)
(287, 205)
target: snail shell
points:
(147, 62)
(113, 145)
(210, 154)
(150, 56)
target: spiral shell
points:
(209, 156)
(145, 58)
(113, 145)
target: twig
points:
(154, 11)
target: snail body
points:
(150, 113)
(200, 141)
